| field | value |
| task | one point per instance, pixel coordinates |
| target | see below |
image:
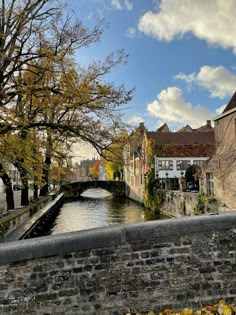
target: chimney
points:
(208, 123)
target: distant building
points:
(83, 169)
(15, 179)
(176, 151)
(171, 154)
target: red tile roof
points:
(205, 128)
(182, 137)
(186, 128)
(190, 150)
(184, 144)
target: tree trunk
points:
(8, 186)
(25, 190)
(25, 196)
(36, 195)
(24, 179)
(45, 189)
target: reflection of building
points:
(220, 170)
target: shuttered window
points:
(182, 165)
(165, 165)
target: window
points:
(209, 184)
(198, 162)
(182, 165)
(165, 165)
(136, 166)
(132, 166)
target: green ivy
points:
(153, 197)
(202, 200)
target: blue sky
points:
(181, 56)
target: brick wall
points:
(176, 263)
(223, 163)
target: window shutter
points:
(177, 165)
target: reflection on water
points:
(97, 208)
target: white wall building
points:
(172, 153)
(175, 166)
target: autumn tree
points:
(6, 179)
(113, 156)
(36, 30)
(94, 170)
(42, 89)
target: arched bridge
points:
(75, 189)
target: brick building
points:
(220, 171)
(171, 154)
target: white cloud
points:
(211, 20)
(217, 80)
(116, 4)
(220, 109)
(131, 32)
(90, 16)
(135, 120)
(169, 106)
(119, 4)
(128, 5)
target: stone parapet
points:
(169, 263)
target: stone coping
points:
(162, 230)
(19, 231)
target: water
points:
(97, 208)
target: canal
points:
(97, 208)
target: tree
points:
(113, 156)
(8, 186)
(94, 170)
(34, 31)
(44, 91)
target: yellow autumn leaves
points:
(221, 308)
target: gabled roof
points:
(186, 128)
(231, 104)
(163, 128)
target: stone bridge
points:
(75, 189)
(173, 263)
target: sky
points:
(182, 56)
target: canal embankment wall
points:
(179, 203)
(16, 222)
(174, 263)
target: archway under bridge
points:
(75, 189)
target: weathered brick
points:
(193, 267)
